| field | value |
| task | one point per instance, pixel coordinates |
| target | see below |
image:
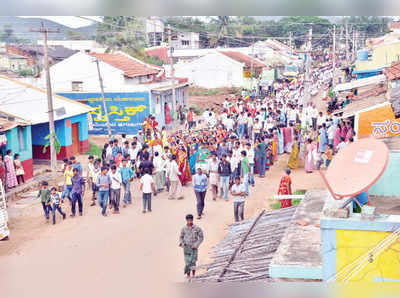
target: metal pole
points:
(307, 81)
(172, 69)
(53, 155)
(347, 45)
(104, 99)
(334, 56)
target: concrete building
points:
(185, 40)
(15, 134)
(213, 70)
(133, 90)
(30, 104)
(220, 69)
(11, 62)
(155, 28)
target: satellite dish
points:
(356, 168)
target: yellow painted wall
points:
(382, 55)
(353, 244)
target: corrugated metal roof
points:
(30, 103)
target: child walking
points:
(19, 169)
(56, 204)
(44, 195)
(147, 187)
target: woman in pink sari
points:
(350, 132)
(309, 163)
(337, 137)
(11, 178)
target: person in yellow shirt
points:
(68, 173)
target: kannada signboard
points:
(379, 122)
(126, 110)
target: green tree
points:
(74, 35)
(123, 33)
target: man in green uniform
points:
(190, 239)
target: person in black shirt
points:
(146, 164)
(225, 171)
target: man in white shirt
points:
(320, 119)
(250, 157)
(256, 129)
(159, 171)
(205, 115)
(115, 190)
(225, 104)
(238, 191)
(228, 123)
(331, 133)
(175, 189)
(146, 186)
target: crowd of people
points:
(219, 151)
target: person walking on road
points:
(77, 192)
(200, 183)
(103, 183)
(175, 190)
(225, 171)
(190, 239)
(115, 191)
(238, 191)
(127, 176)
(147, 187)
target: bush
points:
(94, 150)
(27, 72)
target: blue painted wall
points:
(388, 184)
(40, 131)
(64, 133)
(126, 110)
(13, 142)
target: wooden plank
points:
(288, 197)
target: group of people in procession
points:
(219, 151)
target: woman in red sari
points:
(285, 188)
(183, 164)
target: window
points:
(21, 138)
(77, 86)
(185, 42)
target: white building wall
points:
(82, 67)
(212, 71)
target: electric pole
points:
(354, 44)
(53, 155)
(171, 50)
(347, 44)
(307, 81)
(334, 57)
(104, 99)
(290, 39)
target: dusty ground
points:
(116, 251)
(119, 254)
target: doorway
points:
(75, 139)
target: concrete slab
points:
(299, 254)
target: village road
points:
(119, 254)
